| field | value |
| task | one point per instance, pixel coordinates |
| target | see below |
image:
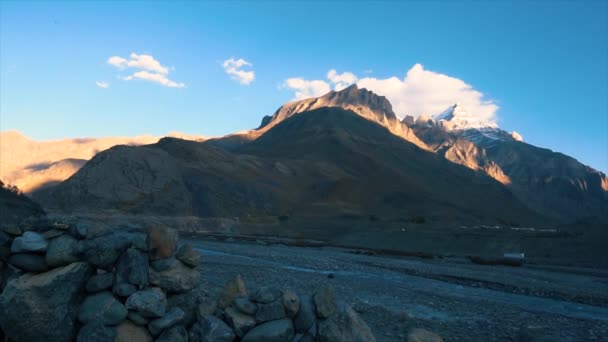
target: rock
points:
(177, 333)
(96, 332)
(43, 307)
(29, 262)
(5, 252)
(270, 312)
(274, 331)
(53, 233)
(138, 240)
(12, 229)
(266, 294)
(291, 302)
(163, 264)
(211, 329)
(343, 326)
(306, 316)
(240, 322)
(80, 230)
(188, 255)
(162, 242)
(137, 318)
(103, 251)
(421, 335)
(129, 332)
(99, 282)
(102, 307)
(132, 268)
(207, 307)
(29, 242)
(245, 306)
(325, 301)
(190, 301)
(149, 303)
(171, 318)
(178, 279)
(5, 240)
(123, 289)
(62, 250)
(233, 289)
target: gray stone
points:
(270, 312)
(306, 316)
(190, 301)
(245, 306)
(207, 307)
(266, 294)
(274, 331)
(344, 325)
(138, 240)
(29, 242)
(5, 252)
(29, 262)
(12, 229)
(80, 229)
(240, 322)
(325, 301)
(62, 250)
(102, 307)
(422, 335)
(178, 279)
(163, 264)
(137, 318)
(4, 239)
(129, 332)
(96, 332)
(211, 329)
(149, 303)
(100, 282)
(177, 333)
(124, 289)
(132, 268)
(103, 251)
(43, 307)
(53, 233)
(291, 302)
(171, 318)
(188, 255)
(162, 242)
(233, 289)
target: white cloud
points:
(234, 68)
(150, 69)
(420, 92)
(102, 84)
(154, 77)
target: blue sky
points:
(542, 64)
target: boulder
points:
(151, 302)
(29, 262)
(5, 240)
(103, 251)
(102, 307)
(177, 333)
(43, 307)
(96, 332)
(80, 229)
(343, 326)
(163, 264)
(208, 306)
(233, 289)
(132, 268)
(178, 279)
(270, 312)
(162, 242)
(100, 282)
(138, 240)
(211, 329)
(274, 331)
(171, 318)
(245, 306)
(190, 301)
(62, 250)
(266, 294)
(12, 229)
(325, 301)
(5, 252)
(291, 302)
(29, 242)
(123, 289)
(137, 318)
(306, 316)
(53, 233)
(422, 335)
(240, 322)
(129, 332)
(188, 255)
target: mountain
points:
(551, 183)
(15, 207)
(32, 165)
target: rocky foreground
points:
(63, 282)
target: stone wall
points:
(60, 282)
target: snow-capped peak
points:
(456, 117)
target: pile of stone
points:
(60, 282)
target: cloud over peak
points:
(234, 68)
(150, 69)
